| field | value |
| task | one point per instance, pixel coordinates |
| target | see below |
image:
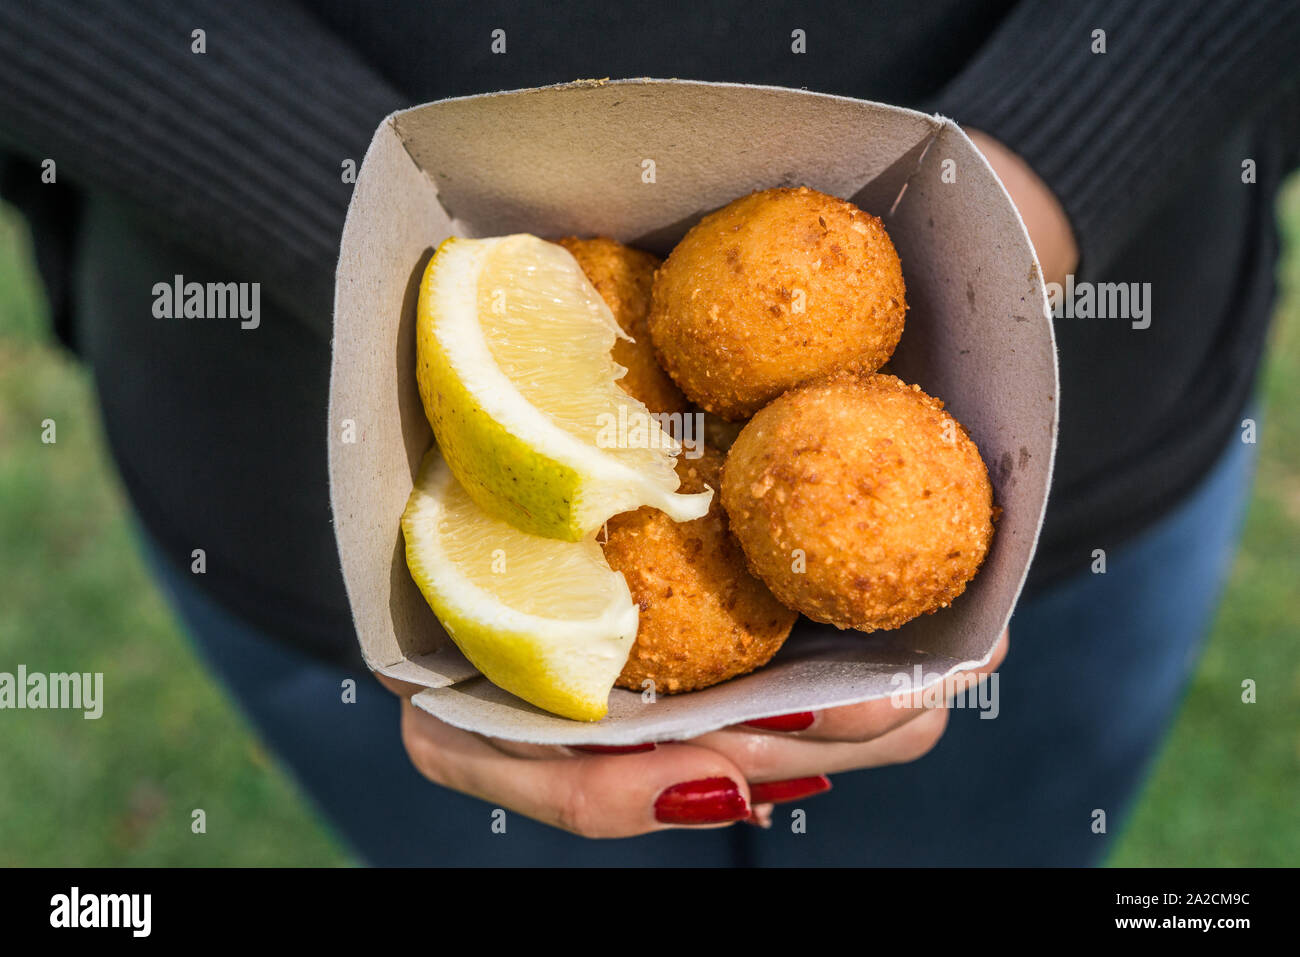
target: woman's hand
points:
(714, 780)
(1045, 219)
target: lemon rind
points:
(581, 657)
(587, 485)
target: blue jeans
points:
(1097, 667)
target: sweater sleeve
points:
(235, 152)
(1109, 132)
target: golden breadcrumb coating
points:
(623, 277)
(773, 290)
(704, 618)
(859, 501)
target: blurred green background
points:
(75, 596)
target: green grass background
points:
(75, 596)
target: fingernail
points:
(775, 792)
(760, 817)
(707, 801)
(798, 721)
(614, 748)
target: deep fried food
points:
(704, 618)
(859, 501)
(623, 276)
(773, 290)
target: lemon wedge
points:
(514, 368)
(546, 620)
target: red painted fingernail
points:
(614, 748)
(708, 801)
(784, 722)
(775, 792)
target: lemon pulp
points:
(546, 620)
(514, 368)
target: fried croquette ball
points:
(773, 290)
(704, 618)
(859, 501)
(623, 277)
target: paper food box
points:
(572, 160)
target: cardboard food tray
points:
(572, 159)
